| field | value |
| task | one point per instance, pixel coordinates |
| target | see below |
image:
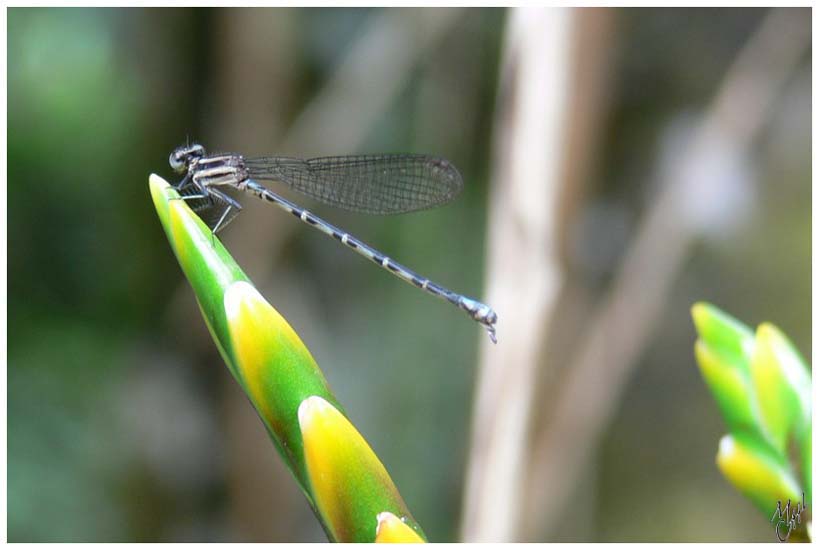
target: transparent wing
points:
(374, 184)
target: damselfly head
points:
(182, 156)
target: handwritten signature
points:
(788, 518)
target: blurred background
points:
(619, 165)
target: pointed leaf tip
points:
(724, 333)
(350, 485)
(757, 473)
(390, 529)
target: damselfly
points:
(376, 184)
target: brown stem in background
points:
(523, 273)
(610, 348)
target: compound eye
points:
(182, 156)
(177, 161)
